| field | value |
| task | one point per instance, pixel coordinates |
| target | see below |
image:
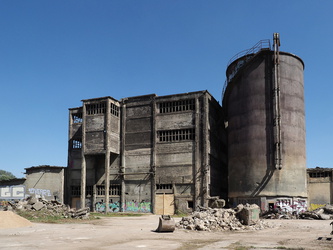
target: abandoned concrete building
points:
(161, 154)
(263, 103)
(43, 181)
(147, 153)
(320, 186)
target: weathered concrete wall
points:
(249, 103)
(320, 186)
(47, 182)
(139, 159)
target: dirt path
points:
(138, 233)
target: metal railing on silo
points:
(247, 54)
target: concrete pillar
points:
(122, 169)
(94, 198)
(107, 153)
(196, 169)
(83, 159)
(205, 152)
(153, 157)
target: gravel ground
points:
(138, 233)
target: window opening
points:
(176, 135)
(176, 106)
(114, 189)
(163, 186)
(114, 110)
(320, 174)
(77, 117)
(96, 108)
(75, 190)
(77, 143)
(89, 190)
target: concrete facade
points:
(320, 184)
(45, 181)
(41, 181)
(157, 154)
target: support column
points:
(205, 152)
(83, 159)
(122, 153)
(153, 157)
(107, 153)
(196, 169)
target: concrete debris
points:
(322, 213)
(279, 215)
(219, 219)
(52, 208)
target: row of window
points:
(176, 135)
(114, 189)
(93, 109)
(320, 174)
(162, 136)
(163, 107)
(176, 106)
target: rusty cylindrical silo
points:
(264, 105)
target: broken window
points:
(114, 189)
(100, 190)
(163, 186)
(96, 108)
(176, 106)
(114, 110)
(89, 190)
(75, 190)
(77, 143)
(176, 135)
(77, 117)
(320, 174)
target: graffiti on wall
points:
(113, 207)
(134, 206)
(129, 206)
(291, 205)
(41, 192)
(12, 192)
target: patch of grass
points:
(190, 245)
(288, 248)
(44, 216)
(179, 214)
(238, 246)
(118, 214)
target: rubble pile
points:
(219, 219)
(322, 213)
(277, 214)
(51, 208)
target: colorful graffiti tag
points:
(134, 206)
(291, 205)
(113, 207)
(129, 206)
(41, 192)
(12, 192)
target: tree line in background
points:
(5, 175)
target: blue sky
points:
(53, 54)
